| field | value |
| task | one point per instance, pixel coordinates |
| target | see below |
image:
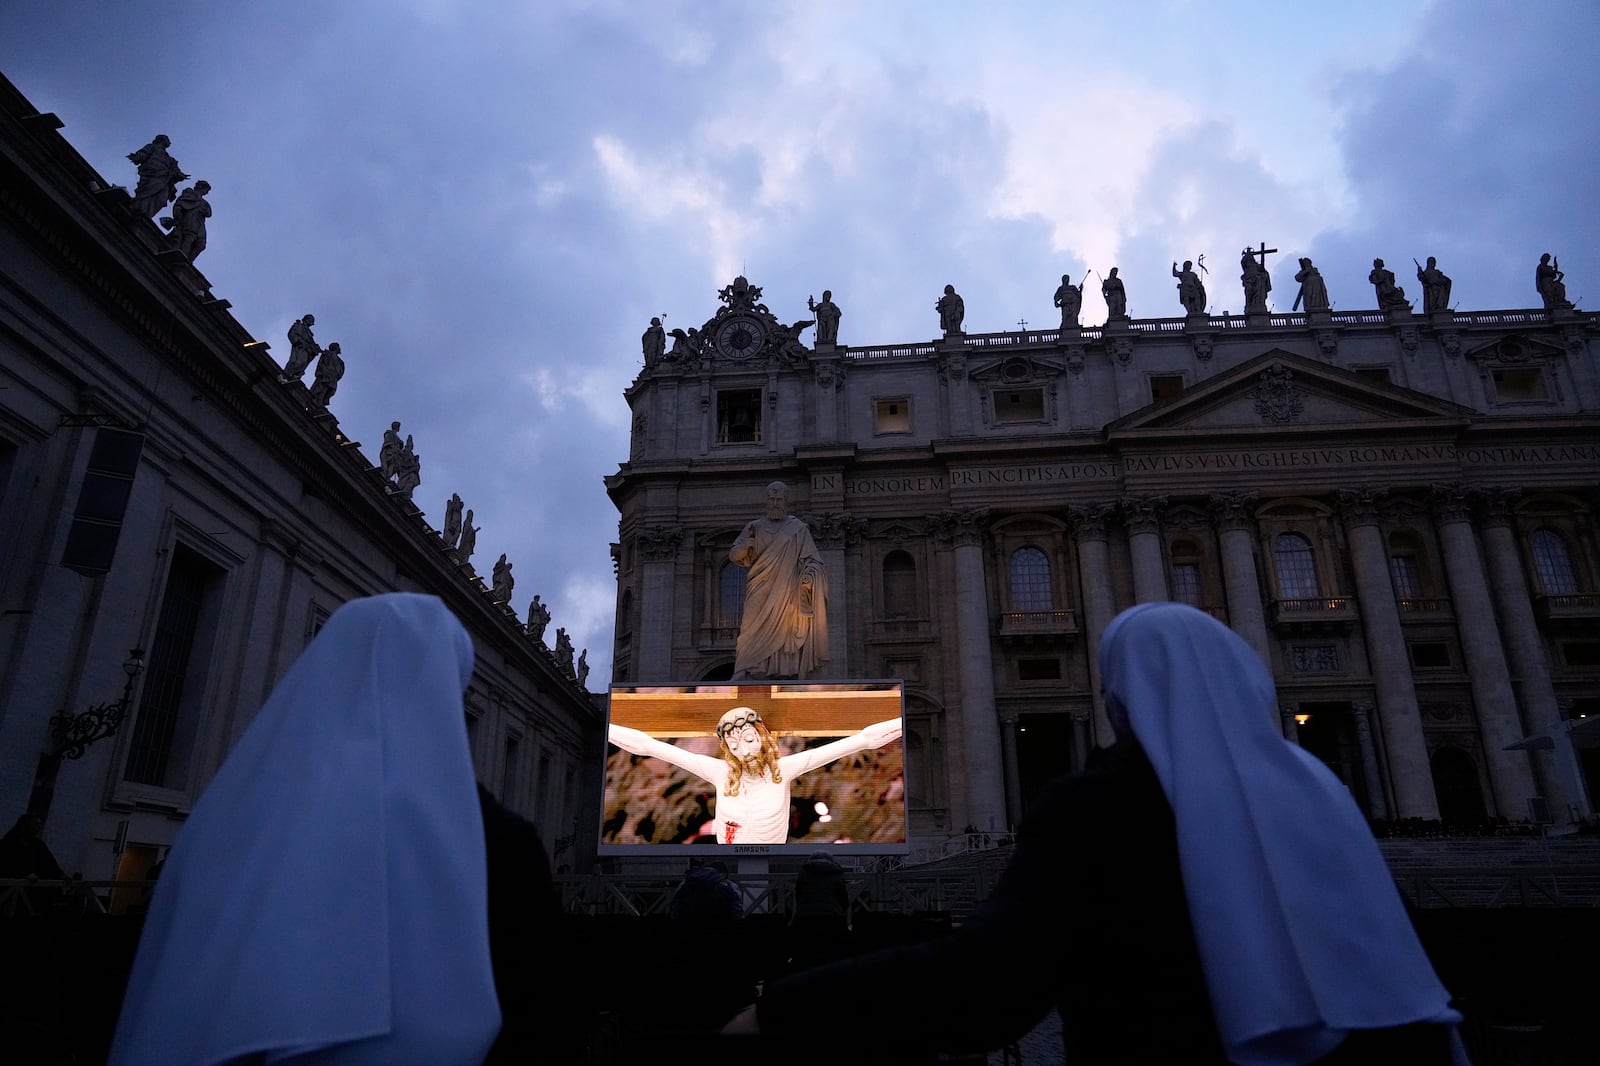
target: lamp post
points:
(72, 734)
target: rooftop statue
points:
(1391, 297)
(784, 631)
(827, 313)
(188, 221)
(469, 538)
(538, 619)
(330, 368)
(563, 650)
(303, 348)
(389, 452)
(158, 177)
(1313, 294)
(502, 582)
(1548, 278)
(1435, 286)
(408, 469)
(452, 522)
(1116, 297)
(1069, 298)
(685, 345)
(741, 295)
(1191, 291)
(654, 342)
(952, 310)
(583, 667)
(1254, 277)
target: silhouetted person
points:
(706, 894)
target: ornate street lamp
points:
(73, 733)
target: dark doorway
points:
(1044, 751)
(1455, 783)
(1329, 733)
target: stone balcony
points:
(1039, 626)
(1416, 609)
(1570, 609)
(1322, 614)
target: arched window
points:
(1404, 570)
(1297, 567)
(730, 595)
(899, 585)
(1186, 573)
(1552, 558)
(1030, 581)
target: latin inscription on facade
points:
(1332, 458)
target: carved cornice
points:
(1143, 514)
(660, 543)
(1234, 510)
(1451, 503)
(1090, 520)
(835, 529)
(960, 528)
(1362, 506)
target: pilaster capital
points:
(1498, 506)
(1090, 520)
(1233, 510)
(660, 543)
(835, 529)
(1361, 711)
(1143, 514)
(1450, 503)
(1362, 506)
(279, 537)
(616, 559)
(960, 528)
(1080, 718)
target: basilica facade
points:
(1395, 508)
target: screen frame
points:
(832, 709)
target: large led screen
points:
(755, 768)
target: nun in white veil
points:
(1302, 935)
(326, 901)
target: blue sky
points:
(484, 203)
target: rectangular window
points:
(174, 686)
(1038, 669)
(1019, 405)
(1407, 577)
(107, 484)
(1165, 387)
(892, 416)
(1521, 385)
(1581, 653)
(739, 416)
(1186, 583)
(1430, 656)
(509, 778)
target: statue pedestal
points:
(1255, 319)
(1400, 316)
(1196, 320)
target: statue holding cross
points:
(1257, 282)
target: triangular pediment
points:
(1031, 369)
(1281, 390)
(1514, 349)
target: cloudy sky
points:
(485, 202)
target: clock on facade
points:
(740, 337)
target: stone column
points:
(832, 532)
(1235, 513)
(1557, 769)
(1399, 716)
(980, 729)
(1008, 752)
(1143, 519)
(1498, 720)
(1377, 805)
(1082, 739)
(1099, 604)
(653, 640)
(1291, 728)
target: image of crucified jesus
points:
(753, 781)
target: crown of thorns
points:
(740, 716)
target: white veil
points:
(326, 901)
(1301, 931)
